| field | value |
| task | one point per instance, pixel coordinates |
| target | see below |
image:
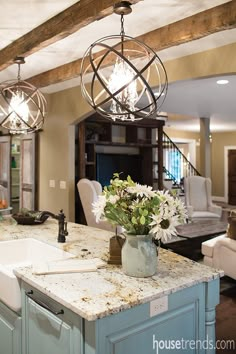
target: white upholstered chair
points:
(88, 192)
(97, 186)
(198, 199)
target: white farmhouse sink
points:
(20, 253)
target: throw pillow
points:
(231, 230)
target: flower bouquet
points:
(139, 209)
(145, 215)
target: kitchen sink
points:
(22, 253)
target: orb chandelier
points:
(22, 105)
(122, 68)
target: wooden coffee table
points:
(202, 229)
(190, 237)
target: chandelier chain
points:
(18, 74)
(122, 31)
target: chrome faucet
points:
(62, 224)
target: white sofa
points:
(220, 252)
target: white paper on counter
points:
(68, 266)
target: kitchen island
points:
(105, 311)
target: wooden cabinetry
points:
(15, 174)
(5, 165)
(28, 172)
(18, 170)
(119, 141)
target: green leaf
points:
(134, 220)
(145, 212)
(155, 201)
(129, 179)
(142, 220)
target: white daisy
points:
(163, 229)
(98, 207)
(113, 199)
(180, 209)
(141, 190)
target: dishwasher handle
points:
(42, 304)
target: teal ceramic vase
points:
(139, 256)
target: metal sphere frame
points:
(145, 67)
(12, 119)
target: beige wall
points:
(56, 146)
(208, 63)
(56, 155)
(181, 134)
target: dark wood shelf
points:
(91, 141)
(96, 135)
(110, 143)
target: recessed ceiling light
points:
(222, 82)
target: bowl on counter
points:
(33, 218)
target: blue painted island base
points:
(186, 325)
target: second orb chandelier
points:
(22, 105)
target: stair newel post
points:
(160, 157)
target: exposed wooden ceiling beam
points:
(222, 17)
(60, 26)
(216, 19)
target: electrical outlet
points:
(62, 184)
(52, 183)
(158, 306)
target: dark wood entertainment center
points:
(96, 134)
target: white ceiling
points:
(202, 98)
(18, 17)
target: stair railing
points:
(184, 167)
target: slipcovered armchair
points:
(220, 252)
(89, 192)
(198, 199)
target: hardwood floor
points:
(226, 317)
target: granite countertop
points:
(94, 295)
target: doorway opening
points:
(232, 177)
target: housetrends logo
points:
(187, 344)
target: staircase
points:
(176, 166)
